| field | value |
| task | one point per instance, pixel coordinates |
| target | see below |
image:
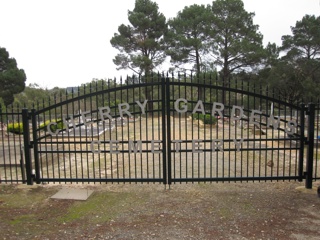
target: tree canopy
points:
(141, 44)
(221, 36)
(296, 74)
(12, 79)
(236, 43)
(305, 39)
(188, 37)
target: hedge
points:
(53, 127)
(16, 128)
(205, 118)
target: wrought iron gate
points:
(169, 129)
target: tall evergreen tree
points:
(12, 79)
(296, 75)
(187, 37)
(141, 44)
(302, 48)
(236, 42)
(305, 39)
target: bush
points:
(205, 118)
(53, 127)
(16, 128)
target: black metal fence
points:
(12, 164)
(162, 129)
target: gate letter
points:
(49, 129)
(114, 146)
(196, 144)
(177, 144)
(233, 113)
(85, 118)
(66, 123)
(291, 129)
(253, 117)
(124, 110)
(217, 144)
(238, 144)
(142, 106)
(155, 144)
(274, 122)
(135, 147)
(92, 146)
(184, 107)
(106, 113)
(199, 108)
(218, 110)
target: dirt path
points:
(279, 210)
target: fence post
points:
(27, 145)
(302, 141)
(310, 142)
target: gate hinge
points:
(31, 144)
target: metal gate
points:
(169, 129)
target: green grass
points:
(225, 212)
(22, 219)
(31, 211)
(101, 206)
(22, 198)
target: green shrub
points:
(16, 128)
(205, 118)
(53, 127)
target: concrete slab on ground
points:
(73, 194)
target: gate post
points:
(27, 145)
(302, 142)
(310, 142)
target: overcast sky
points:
(67, 42)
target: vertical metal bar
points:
(184, 160)
(22, 166)
(27, 145)
(164, 133)
(168, 130)
(35, 147)
(309, 166)
(159, 117)
(302, 141)
(2, 135)
(317, 139)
